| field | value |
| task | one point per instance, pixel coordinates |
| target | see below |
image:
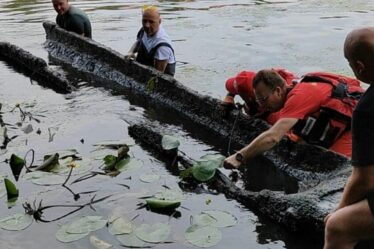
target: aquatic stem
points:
(37, 212)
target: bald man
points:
(71, 18)
(353, 220)
(153, 46)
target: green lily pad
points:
(203, 220)
(66, 153)
(129, 164)
(120, 226)
(86, 224)
(115, 144)
(223, 219)
(99, 154)
(16, 164)
(80, 166)
(11, 190)
(149, 178)
(168, 194)
(158, 204)
(205, 169)
(213, 157)
(16, 222)
(63, 236)
(99, 244)
(46, 178)
(205, 236)
(130, 240)
(155, 233)
(169, 142)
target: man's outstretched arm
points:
(264, 142)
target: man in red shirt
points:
(312, 110)
(241, 85)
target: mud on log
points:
(33, 67)
(303, 162)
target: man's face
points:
(151, 22)
(270, 99)
(61, 6)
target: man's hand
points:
(130, 56)
(231, 162)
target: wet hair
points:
(269, 78)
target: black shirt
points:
(75, 20)
(363, 130)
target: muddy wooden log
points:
(33, 67)
(300, 212)
(92, 58)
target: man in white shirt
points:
(153, 45)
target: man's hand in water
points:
(232, 162)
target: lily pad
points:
(86, 224)
(213, 157)
(154, 203)
(99, 154)
(115, 144)
(169, 194)
(63, 236)
(99, 244)
(155, 233)
(205, 236)
(47, 179)
(205, 169)
(80, 166)
(16, 164)
(223, 219)
(149, 178)
(11, 190)
(16, 222)
(169, 142)
(66, 153)
(203, 219)
(130, 240)
(120, 226)
(129, 164)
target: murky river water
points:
(213, 40)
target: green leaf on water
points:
(185, 173)
(205, 236)
(11, 190)
(205, 169)
(47, 179)
(130, 240)
(149, 178)
(159, 204)
(115, 144)
(16, 222)
(169, 142)
(128, 164)
(222, 219)
(120, 226)
(109, 160)
(203, 220)
(155, 233)
(63, 236)
(86, 224)
(16, 164)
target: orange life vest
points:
(335, 115)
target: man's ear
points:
(159, 21)
(360, 67)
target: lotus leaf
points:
(155, 233)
